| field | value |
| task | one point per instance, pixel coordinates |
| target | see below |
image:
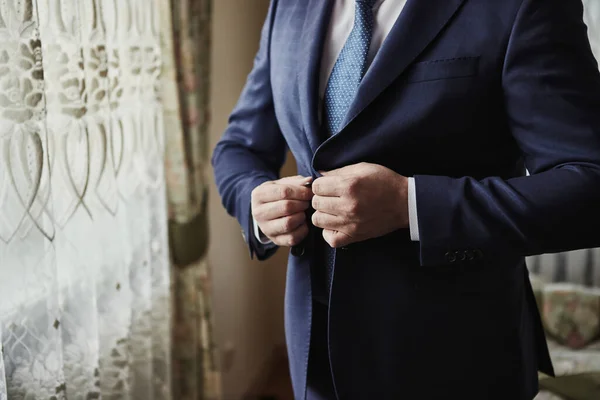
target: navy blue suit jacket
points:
(463, 95)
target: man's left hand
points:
(359, 202)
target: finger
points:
(283, 226)
(279, 209)
(293, 238)
(336, 239)
(329, 205)
(327, 221)
(330, 186)
(276, 192)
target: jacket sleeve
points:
(551, 86)
(252, 149)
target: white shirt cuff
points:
(413, 220)
(261, 237)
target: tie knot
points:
(369, 3)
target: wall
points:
(248, 296)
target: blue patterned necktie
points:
(345, 78)
(349, 69)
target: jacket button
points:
(450, 257)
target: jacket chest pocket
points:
(461, 67)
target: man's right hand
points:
(278, 207)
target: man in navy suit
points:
(412, 123)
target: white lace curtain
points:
(84, 268)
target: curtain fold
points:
(186, 46)
(84, 257)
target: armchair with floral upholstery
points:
(567, 290)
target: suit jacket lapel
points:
(418, 24)
(318, 13)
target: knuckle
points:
(279, 189)
(287, 208)
(290, 241)
(353, 207)
(288, 224)
(285, 192)
(352, 186)
(293, 241)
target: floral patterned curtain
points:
(186, 46)
(84, 261)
